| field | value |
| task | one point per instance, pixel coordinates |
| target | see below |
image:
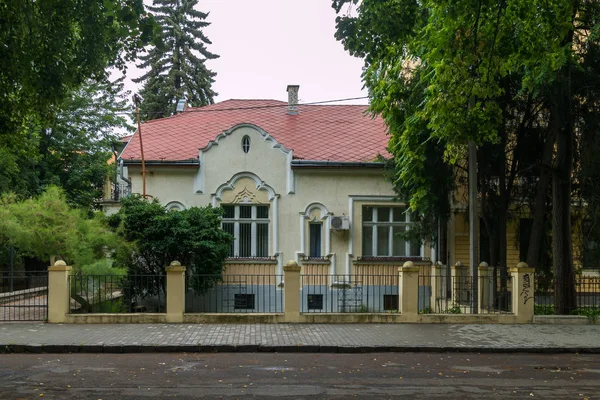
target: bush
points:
(102, 267)
(157, 237)
(47, 226)
(543, 309)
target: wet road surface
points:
(299, 376)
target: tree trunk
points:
(562, 250)
(536, 237)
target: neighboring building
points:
(301, 182)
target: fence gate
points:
(24, 296)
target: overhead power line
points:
(203, 109)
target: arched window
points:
(246, 144)
(175, 206)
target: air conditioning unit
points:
(340, 223)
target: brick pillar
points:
(409, 289)
(291, 299)
(58, 292)
(523, 292)
(175, 292)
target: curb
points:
(128, 349)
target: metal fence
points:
(349, 293)
(456, 294)
(234, 294)
(587, 295)
(24, 296)
(496, 293)
(119, 191)
(117, 294)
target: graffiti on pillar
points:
(526, 288)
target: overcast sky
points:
(265, 45)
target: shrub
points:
(157, 236)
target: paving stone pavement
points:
(40, 337)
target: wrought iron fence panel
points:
(24, 296)
(117, 293)
(349, 293)
(587, 295)
(213, 293)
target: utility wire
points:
(202, 109)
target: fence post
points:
(58, 292)
(458, 283)
(486, 287)
(291, 299)
(523, 292)
(409, 289)
(436, 287)
(175, 292)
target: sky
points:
(265, 45)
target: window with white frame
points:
(382, 228)
(249, 225)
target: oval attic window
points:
(246, 144)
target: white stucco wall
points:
(264, 171)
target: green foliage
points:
(75, 150)
(47, 226)
(193, 237)
(102, 267)
(543, 309)
(177, 67)
(427, 310)
(592, 313)
(49, 48)
(455, 309)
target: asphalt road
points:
(299, 376)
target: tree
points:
(46, 226)
(49, 48)
(193, 237)
(496, 73)
(177, 67)
(74, 149)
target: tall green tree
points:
(49, 48)
(178, 66)
(74, 148)
(481, 66)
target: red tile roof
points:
(317, 132)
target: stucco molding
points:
(267, 137)
(230, 185)
(175, 205)
(316, 205)
(200, 177)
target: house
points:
(301, 182)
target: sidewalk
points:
(347, 338)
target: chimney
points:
(181, 105)
(293, 99)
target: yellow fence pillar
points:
(58, 292)
(291, 299)
(486, 287)
(409, 289)
(459, 283)
(436, 287)
(523, 292)
(175, 292)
